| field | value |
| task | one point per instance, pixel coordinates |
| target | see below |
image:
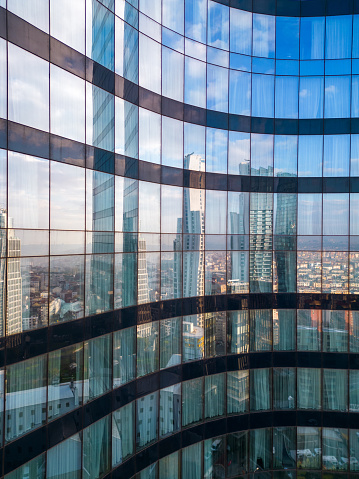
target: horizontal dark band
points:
(42, 439)
(23, 139)
(30, 38)
(17, 347)
(295, 8)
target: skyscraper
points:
(179, 239)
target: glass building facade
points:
(179, 239)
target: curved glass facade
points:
(179, 239)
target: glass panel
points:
(285, 155)
(192, 402)
(192, 461)
(284, 448)
(29, 185)
(214, 396)
(123, 433)
(308, 388)
(335, 449)
(335, 389)
(237, 392)
(150, 64)
(237, 453)
(260, 389)
(260, 450)
(25, 397)
(310, 214)
(67, 102)
(36, 13)
(216, 150)
(100, 34)
(124, 355)
(218, 16)
(338, 36)
(263, 95)
(309, 447)
(261, 330)
(263, 35)
(97, 367)
(286, 97)
(67, 211)
(126, 132)
(172, 74)
(169, 466)
(170, 342)
(337, 97)
(312, 38)
(100, 124)
(261, 155)
(336, 155)
(97, 449)
(284, 329)
(34, 469)
(284, 390)
(99, 283)
(287, 37)
(195, 82)
(216, 206)
(311, 97)
(67, 23)
(214, 456)
(309, 272)
(172, 142)
(173, 15)
(146, 421)
(335, 330)
(193, 337)
(238, 332)
(308, 330)
(241, 31)
(65, 377)
(57, 467)
(310, 153)
(217, 88)
(147, 348)
(170, 410)
(238, 153)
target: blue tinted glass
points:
(286, 97)
(217, 88)
(355, 52)
(338, 37)
(239, 93)
(100, 34)
(311, 97)
(312, 38)
(241, 31)
(263, 35)
(337, 97)
(310, 152)
(285, 155)
(196, 20)
(216, 150)
(218, 25)
(355, 96)
(287, 37)
(336, 155)
(263, 95)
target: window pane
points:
(57, 467)
(28, 88)
(97, 367)
(97, 449)
(124, 355)
(123, 433)
(25, 397)
(146, 420)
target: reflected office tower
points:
(101, 264)
(14, 280)
(285, 226)
(143, 290)
(130, 224)
(260, 221)
(193, 231)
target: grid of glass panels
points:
(78, 241)
(265, 452)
